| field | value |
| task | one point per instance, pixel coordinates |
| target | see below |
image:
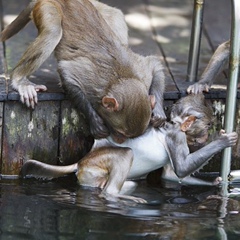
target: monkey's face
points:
(197, 135)
(126, 118)
(129, 127)
(195, 116)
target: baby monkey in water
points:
(181, 147)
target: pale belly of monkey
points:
(149, 153)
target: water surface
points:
(60, 209)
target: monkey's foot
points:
(135, 199)
(110, 197)
(198, 88)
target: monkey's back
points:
(85, 32)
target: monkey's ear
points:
(188, 123)
(110, 103)
(152, 101)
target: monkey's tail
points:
(20, 22)
(36, 169)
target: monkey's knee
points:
(92, 177)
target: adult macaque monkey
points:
(109, 164)
(115, 88)
(215, 66)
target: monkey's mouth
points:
(197, 142)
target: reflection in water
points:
(63, 210)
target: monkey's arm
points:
(213, 69)
(157, 89)
(95, 122)
(48, 21)
(184, 163)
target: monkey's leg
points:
(96, 124)
(169, 175)
(213, 69)
(107, 168)
(47, 18)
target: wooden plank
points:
(141, 36)
(75, 140)
(139, 25)
(29, 134)
(47, 73)
(217, 21)
(217, 25)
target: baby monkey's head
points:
(195, 116)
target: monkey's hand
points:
(97, 127)
(28, 91)
(228, 139)
(158, 117)
(198, 88)
(217, 181)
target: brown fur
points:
(95, 64)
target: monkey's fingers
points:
(135, 199)
(28, 94)
(198, 88)
(34, 99)
(231, 138)
(139, 200)
(222, 131)
(39, 88)
(217, 181)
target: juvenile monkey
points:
(115, 88)
(215, 66)
(180, 147)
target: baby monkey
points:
(117, 90)
(180, 147)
